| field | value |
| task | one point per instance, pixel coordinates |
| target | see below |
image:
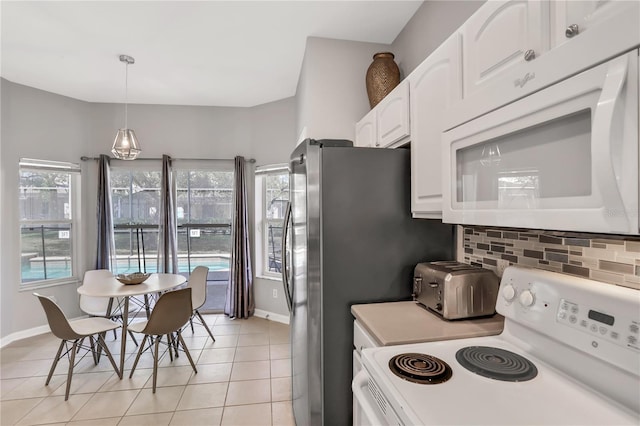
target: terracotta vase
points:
(383, 76)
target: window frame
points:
(75, 222)
(261, 221)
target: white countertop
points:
(398, 323)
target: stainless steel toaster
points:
(455, 290)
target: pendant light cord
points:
(126, 94)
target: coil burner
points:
(420, 368)
(496, 363)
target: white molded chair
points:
(98, 306)
(76, 331)
(171, 312)
(198, 285)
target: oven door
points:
(564, 158)
(370, 409)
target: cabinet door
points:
(393, 116)
(366, 130)
(434, 85)
(499, 36)
(572, 18)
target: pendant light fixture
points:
(126, 146)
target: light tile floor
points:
(243, 379)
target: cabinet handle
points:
(571, 31)
(529, 55)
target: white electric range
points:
(569, 354)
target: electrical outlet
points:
(275, 293)
(501, 266)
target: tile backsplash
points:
(611, 259)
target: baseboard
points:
(30, 332)
(271, 316)
(23, 334)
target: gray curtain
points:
(168, 231)
(106, 248)
(240, 302)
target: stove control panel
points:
(599, 319)
(614, 328)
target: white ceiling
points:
(224, 53)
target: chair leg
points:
(170, 346)
(133, 337)
(99, 348)
(135, 363)
(72, 361)
(93, 350)
(55, 362)
(102, 343)
(115, 336)
(186, 351)
(155, 362)
(204, 323)
(191, 322)
(175, 344)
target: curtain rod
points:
(250, 160)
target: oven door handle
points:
(370, 413)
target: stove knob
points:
(508, 292)
(526, 298)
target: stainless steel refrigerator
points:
(350, 239)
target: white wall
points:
(331, 92)
(38, 124)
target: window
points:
(204, 205)
(272, 196)
(135, 202)
(48, 203)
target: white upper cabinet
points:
(393, 116)
(573, 18)
(499, 36)
(435, 85)
(386, 125)
(366, 130)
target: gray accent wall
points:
(43, 125)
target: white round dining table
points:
(111, 287)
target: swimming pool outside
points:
(61, 267)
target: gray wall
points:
(38, 124)
(432, 24)
(35, 124)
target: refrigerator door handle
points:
(288, 292)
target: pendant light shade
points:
(126, 146)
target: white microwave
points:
(563, 158)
